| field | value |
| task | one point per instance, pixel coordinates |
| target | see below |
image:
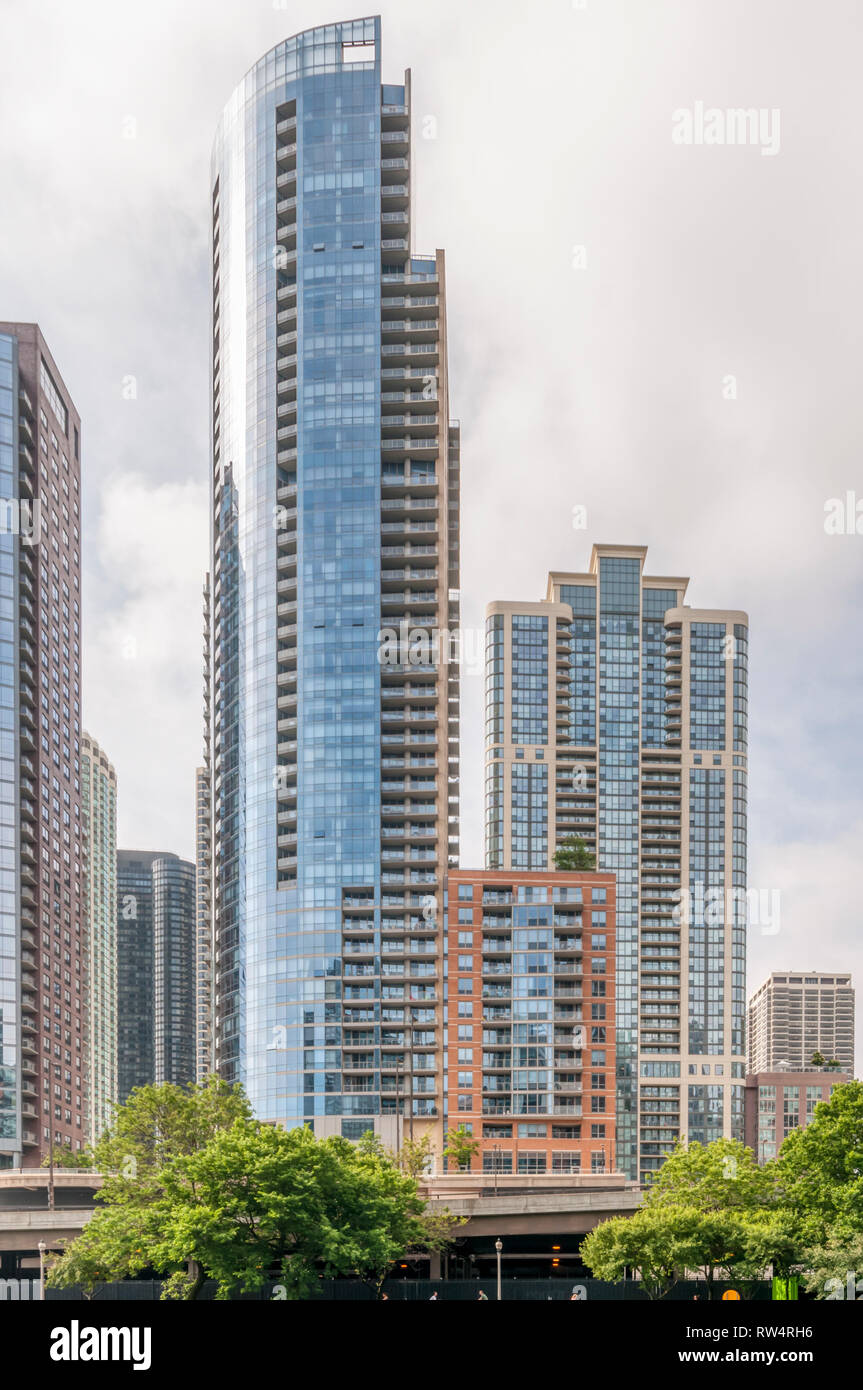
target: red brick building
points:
(530, 1033)
(43, 1047)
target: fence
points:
(421, 1290)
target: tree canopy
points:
(196, 1189)
(712, 1208)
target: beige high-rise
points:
(796, 1013)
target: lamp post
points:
(498, 1245)
(42, 1248)
(51, 1166)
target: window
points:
(566, 1162)
(55, 400)
(358, 53)
(532, 1131)
(466, 987)
(497, 1163)
(465, 1032)
(465, 1079)
(465, 938)
(465, 1054)
(465, 892)
(566, 1131)
(531, 1163)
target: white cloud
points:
(143, 667)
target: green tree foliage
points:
(655, 1243)
(834, 1269)
(415, 1156)
(821, 1167)
(572, 853)
(213, 1194)
(713, 1177)
(460, 1146)
(711, 1208)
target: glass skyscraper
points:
(616, 713)
(331, 752)
(156, 970)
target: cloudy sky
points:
(667, 335)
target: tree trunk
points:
(198, 1277)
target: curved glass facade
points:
(332, 462)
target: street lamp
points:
(498, 1245)
(42, 1248)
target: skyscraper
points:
(797, 1013)
(334, 521)
(618, 714)
(156, 928)
(43, 1011)
(99, 830)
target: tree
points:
(243, 1201)
(715, 1177)
(771, 1241)
(460, 1146)
(656, 1243)
(820, 1167)
(718, 1245)
(835, 1268)
(415, 1156)
(572, 853)
(154, 1124)
(817, 1059)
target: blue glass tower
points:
(334, 523)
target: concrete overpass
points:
(525, 1207)
(26, 1217)
(541, 1219)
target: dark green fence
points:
(421, 1290)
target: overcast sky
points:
(605, 284)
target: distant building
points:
(531, 1008)
(99, 826)
(778, 1101)
(798, 1013)
(155, 969)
